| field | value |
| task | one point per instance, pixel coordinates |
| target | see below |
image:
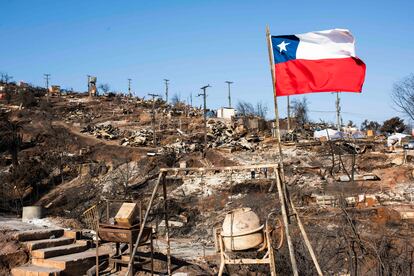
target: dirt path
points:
(90, 138)
(93, 140)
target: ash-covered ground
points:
(354, 197)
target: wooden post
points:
(152, 253)
(280, 179)
(141, 229)
(167, 228)
(205, 124)
(305, 238)
(205, 118)
(154, 138)
(286, 223)
(270, 251)
(338, 112)
(97, 251)
(288, 113)
(272, 71)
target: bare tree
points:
(104, 87)
(176, 99)
(372, 125)
(248, 109)
(350, 124)
(10, 138)
(245, 108)
(5, 78)
(122, 177)
(300, 111)
(261, 110)
(395, 124)
(403, 95)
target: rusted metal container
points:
(114, 233)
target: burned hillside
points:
(71, 154)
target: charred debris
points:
(73, 152)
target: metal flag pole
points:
(282, 197)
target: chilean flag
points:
(322, 61)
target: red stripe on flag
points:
(301, 76)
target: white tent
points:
(394, 138)
(329, 133)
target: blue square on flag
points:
(284, 47)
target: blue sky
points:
(194, 43)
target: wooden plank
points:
(229, 168)
(247, 261)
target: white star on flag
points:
(282, 46)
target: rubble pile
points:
(80, 115)
(183, 147)
(233, 136)
(104, 131)
(142, 137)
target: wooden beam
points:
(229, 168)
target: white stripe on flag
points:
(336, 43)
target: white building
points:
(226, 112)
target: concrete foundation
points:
(31, 212)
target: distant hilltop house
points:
(92, 89)
(250, 122)
(23, 84)
(54, 90)
(226, 113)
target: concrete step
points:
(74, 234)
(38, 234)
(47, 243)
(33, 270)
(44, 253)
(73, 264)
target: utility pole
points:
(89, 85)
(153, 118)
(47, 76)
(129, 88)
(338, 112)
(229, 82)
(205, 117)
(288, 113)
(166, 90)
(191, 99)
